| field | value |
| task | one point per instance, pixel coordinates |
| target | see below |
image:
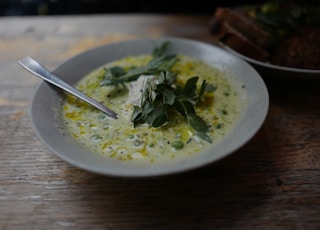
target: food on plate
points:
(169, 106)
(284, 33)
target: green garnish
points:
(161, 98)
(161, 62)
(177, 145)
(282, 17)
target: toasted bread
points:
(241, 22)
(229, 36)
(240, 33)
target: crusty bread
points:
(234, 29)
(228, 35)
(240, 22)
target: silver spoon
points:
(34, 67)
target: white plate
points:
(268, 70)
(46, 103)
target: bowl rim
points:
(34, 108)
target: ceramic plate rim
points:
(314, 73)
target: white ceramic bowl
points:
(46, 104)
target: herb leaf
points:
(162, 96)
(155, 109)
(161, 50)
(189, 89)
(197, 123)
(161, 62)
(157, 117)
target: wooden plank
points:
(273, 182)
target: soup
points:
(123, 140)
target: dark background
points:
(65, 7)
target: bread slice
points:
(241, 22)
(229, 36)
(238, 32)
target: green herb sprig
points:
(162, 97)
(160, 62)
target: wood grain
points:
(273, 182)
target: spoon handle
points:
(34, 67)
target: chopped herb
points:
(177, 144)
(96, 137)
(161, 62)
(224, 112)
(102, 116)
(160, 98)
(283, 17)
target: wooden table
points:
(273, 182)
